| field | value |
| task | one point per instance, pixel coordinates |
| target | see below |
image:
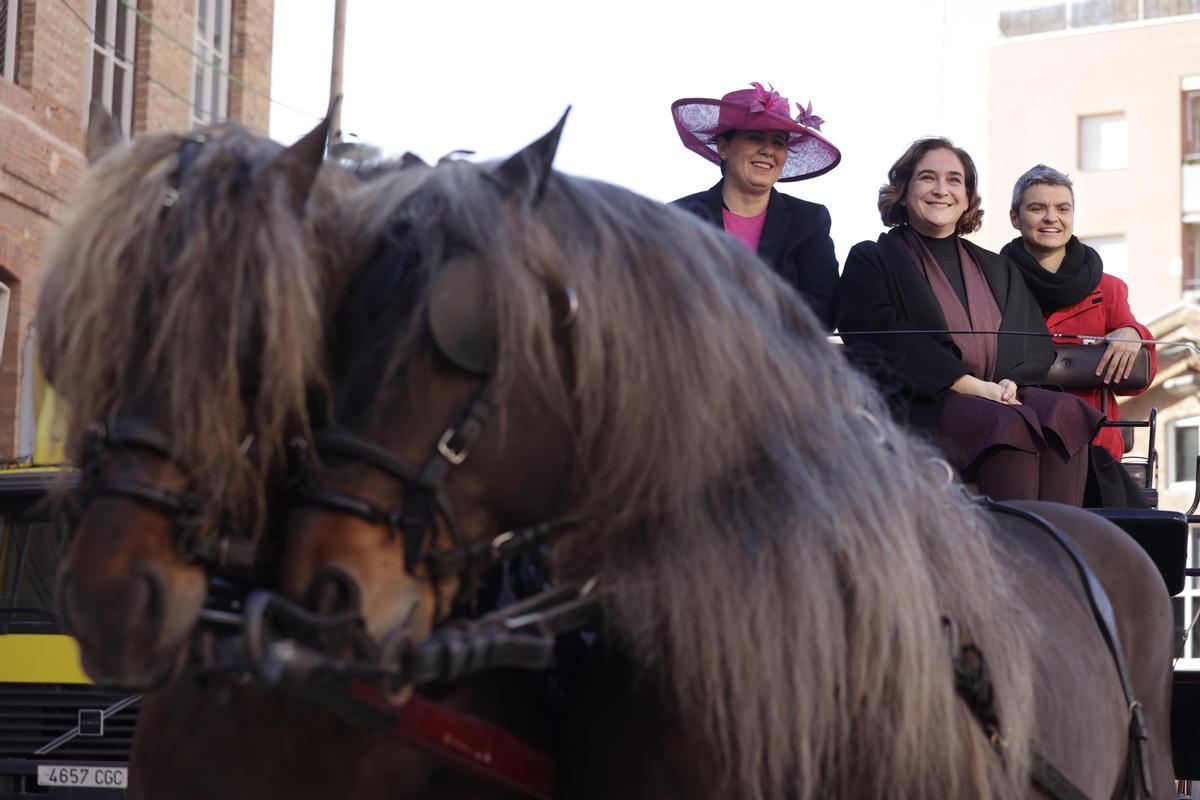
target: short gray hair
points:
(1039, 174)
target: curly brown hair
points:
(891, 195)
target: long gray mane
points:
(774, 549)
(207, 313)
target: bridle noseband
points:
(186, 510)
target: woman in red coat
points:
(1076, 297)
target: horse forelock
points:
(202, 310)
(775, 569)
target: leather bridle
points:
(185, 509)
(424, 499)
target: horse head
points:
(438, 447)
(181, 273)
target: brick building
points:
(1112, 99)
(156, 65)
(1109, 92)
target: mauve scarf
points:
(981, 314)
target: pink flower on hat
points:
(807, 118)
(767, 100)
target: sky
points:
(493, 76)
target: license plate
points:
(87, 777)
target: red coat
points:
(1098, 314)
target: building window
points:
(8, 39)
(1184, 443)
(1113, 251)
(1103, 142)
(115, 25)
(1191, 256)
(1191, 123)
(210, 85)
(1186, 607)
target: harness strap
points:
(166, 501)
(456, 442)
(470, 744)
(337, 442)
(1102, 610)
(1050, 780)
(183, 509)
(464, 742)
(507, 545)
(518, 636)
(130, 431)
(973, 682)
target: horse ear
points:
(526, 172)
(411, 159)
(462, 315)
(301, 161)
(103, 132)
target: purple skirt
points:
(971, 426)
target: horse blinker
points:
(462, 316)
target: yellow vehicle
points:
(60, 736)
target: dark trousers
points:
(1005, 473)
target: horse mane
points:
(773, 549)
(173, 311)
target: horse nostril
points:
(333, 590)
(154, 586)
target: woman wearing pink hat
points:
(751, 135)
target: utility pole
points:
(335, 70)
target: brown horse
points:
(183, 319)
(774, 557)
(182, 267)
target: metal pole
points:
(335, 70)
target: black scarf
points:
(1077, 276)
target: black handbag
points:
(1074, 369)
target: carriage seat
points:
(1162, 534)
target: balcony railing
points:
(1075, 14)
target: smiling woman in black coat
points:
(750, 134)
(933, 303)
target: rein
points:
(519, 636)
(372, 687)
(973, 682)
(1083, 338)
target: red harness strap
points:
(472, 745)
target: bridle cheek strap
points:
(424, 497)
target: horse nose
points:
(154, 589)
(140, 602)
(333, 590)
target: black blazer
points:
(795, 243)
(881, 289)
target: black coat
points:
(795, 243)
(881, 289)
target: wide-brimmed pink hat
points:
(701, 120)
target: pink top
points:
(746, 229)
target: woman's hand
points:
(1005, 391)
(1117, 361)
